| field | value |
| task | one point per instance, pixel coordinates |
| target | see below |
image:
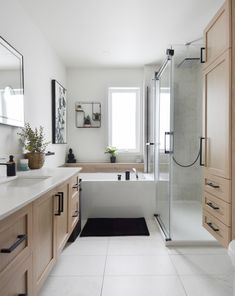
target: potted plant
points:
(35, 145)
(113, 152)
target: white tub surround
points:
(104, 196)
(15, 196)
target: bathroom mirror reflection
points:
(11, 85)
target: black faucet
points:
(11, 166)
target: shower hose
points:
(187, 165)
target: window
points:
(124, 118)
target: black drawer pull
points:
(22, 294)
(210, 204)
(75, 214)
(212, 185)
(212, 227)
(59, 205)
(62, 201)
(21, 238)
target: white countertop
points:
(13, 198)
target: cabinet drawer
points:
(218, 26)
(15, 237)
(218, 208)
(74, 185)
(218, 186)
(19, 280)
(75, 209)
(220, 231)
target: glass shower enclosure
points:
(178, 124)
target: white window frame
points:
(112, 90)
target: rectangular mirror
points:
(11, 85)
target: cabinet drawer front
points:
(19, 280)
(75, 209)
(218, 208)
(217, 186)
(219, 26)
(15, 237)
(74, 185)
(220, 231)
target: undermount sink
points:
(27, 181)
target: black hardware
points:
(59, 205)
(62, 201)
(119, 177)
(212, 227)
(149, 144)
(170, 51)
(21, 238)
(202, 60)
(75, 214)
(201, 163)
(127, 174)
(22, 294)
(210, 204)
(212, 185)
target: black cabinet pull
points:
(62, 201)
(212, 227)
(59, 205)
(75, 214)
(212, 185)
(200, 155)
(21, 238)
(22, 294)
(202, 59)
(210, 204)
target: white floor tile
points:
(85, 247)
(72, 286)
(202, 264)
(136, 247)
(142, 285)
(139, 265)
(208, 285)
(197, 250)
(79, 265)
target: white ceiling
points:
(123, 33)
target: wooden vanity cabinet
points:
(44, 241)
(219, 125)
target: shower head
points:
(190, 60)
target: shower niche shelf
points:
(88, 114)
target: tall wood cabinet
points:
(218, 125)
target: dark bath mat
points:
(115, 227)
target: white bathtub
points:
(104, 196)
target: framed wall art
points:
(59, 114)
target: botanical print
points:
(59, 113)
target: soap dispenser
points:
(11, 167)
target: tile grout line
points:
(178, 276)
(101, 292)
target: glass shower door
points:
(164, 140)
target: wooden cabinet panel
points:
(19, 280)
(217, 117)
(74, 213)
(44, 254)
(61, 216)
(15, 237)
(219, 230)
(217, 34)
(218, 208)
(218, 187)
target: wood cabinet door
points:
(44, 254)
(217, 34)
(217, 104)
(61, 216)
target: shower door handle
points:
(167, 151)
(201, 163)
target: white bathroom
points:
(116, 151)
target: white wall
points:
(92, 85)
(40, 66)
